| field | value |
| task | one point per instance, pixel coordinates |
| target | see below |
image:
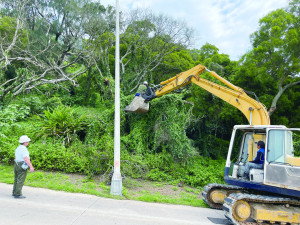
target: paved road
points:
(43, 207)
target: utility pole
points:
(116, 181)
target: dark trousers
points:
(20, 176)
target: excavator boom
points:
(255, 112)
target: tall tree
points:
(276, 50)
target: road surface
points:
(43, 207)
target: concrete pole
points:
(116, 182)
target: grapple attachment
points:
(138, 105)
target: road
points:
(43, 207)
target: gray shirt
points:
(21, 153)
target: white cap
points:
(145, 83)
(24, 139)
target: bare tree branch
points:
(149, 39)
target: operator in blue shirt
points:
(258, 162)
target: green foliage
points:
(35, 103)
(212, 123)
(55, 157)
(296, 140)
(8, 29)
(10, 114)
(62, 123)
(50, 156)
(161, 129)
(13, 113)
(274, 59)
(197, 171)
(173, 64)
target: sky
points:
(227, 24)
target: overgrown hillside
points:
(80, 140)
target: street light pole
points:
(116, 182)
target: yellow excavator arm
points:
(255, 112)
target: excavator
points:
(271, 195)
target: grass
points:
(140, 190)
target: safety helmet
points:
(145, 83)
(24, 139)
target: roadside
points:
(133, 189)
(48, 207)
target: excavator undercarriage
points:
(243, 206)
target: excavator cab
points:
(281, 165)
(247, 149)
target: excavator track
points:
(250, 209)
(214, 194)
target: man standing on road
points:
(22, 162)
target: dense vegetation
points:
(57, 86)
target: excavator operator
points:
(145, 91)
(140, 103)
(258, 162)
(142, 88)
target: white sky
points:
(227, 24)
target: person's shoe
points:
(19, 196)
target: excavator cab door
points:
(247, 148)
(282, 163)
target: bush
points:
(62, 123)
(13, 113)
(77, 158)
(198, 171)
(10, 115)
(34, 102)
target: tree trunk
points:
(278, 95)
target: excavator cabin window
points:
(284, 147)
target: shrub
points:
(13, 113)
(34, 102)
(197, 171)
(10, 115)
(62, 123)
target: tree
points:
(276, 50)
(147, 39)
(173, 64)
(49, 46)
